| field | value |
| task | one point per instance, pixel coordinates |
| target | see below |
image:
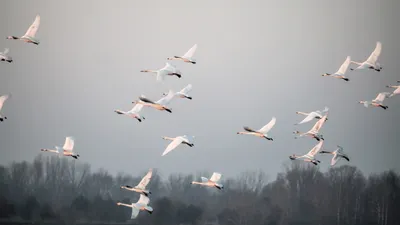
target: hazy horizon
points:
(255, 60)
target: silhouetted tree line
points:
(63, 191)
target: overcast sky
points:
(255, 60)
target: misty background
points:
(255, 60)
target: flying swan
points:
(261, 132)
(396, 91)
(337, 155)
(5, 57)
(184, 93)
(141, 205)
(3, 98)
(342, 70)
(187, 57)
(30, 34)
(212, 182)
(141, 187)
(312, 115)
(177, 141)
(377, 102)
(160, 104)
(67, 149)
(372, 61)
(310, 156)
(314, 130)
(133, 113)
(168, 69)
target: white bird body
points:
(342, 70)
(141, 187)
(184, 93)
(29, 36)
(141, 205)
(3, 99)
(263, 132)
(372, 61)
(312, 115)
(310, 156)
(187, 57)
(185, 139)
(212, 182)
(314, 132)
(337, 155)
(161, 104)
(167, 70)
(396, 91)
(133, 113)
(378, 101)
(5, 57)
(67, 149)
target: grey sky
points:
(255, 60)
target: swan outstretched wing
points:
(31, 32)
(177, 141)
(143, 200)
(343, 68)
(335, 159)
(166, 99)
(310, 117)
(319, 124)
(69, 144)
(186, 89)
(267, 128)
(315, 150)
(215, 177)
(135, 212)
(6, 51)
(326, 109)
(3, 98)
(189, 54)
(136, 108)
(145, 180)
(381, 96)
(375, 54)
(204, 179)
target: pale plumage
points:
(342, 70)
(141, 205)
(141, 187)
(5, 57)
(263, 132)
(133, 113)
(312, 115)
(167, 70)
(310, 156)
(161, 104)
(377, 102)
(187, 57)
(29, 36)
(372, 61)
(188, 140)
(337, 155)
(67, 149)
(3, 99)
(184, 93)
(212, 182)
(396, 91)
(314, 132)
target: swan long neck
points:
(149, 71)
(123, 204)
(199, 183)
(302, 113)
(358, 63)
(168, 138)
(394, 86)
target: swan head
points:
(362, 102)
(326, 74)
(170, 58)
(11, 37)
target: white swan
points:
(184, 93)
(377, 102)
(141, 187)
(396, 91)
(140, 205)
(261, 132)
(67, 149)
(337, 155)
(188, 140)
(187, 57)
(212, 182)
(342, 70)
(312, 115)
(314, 130)
(133, 113)
(3, 98)
(372, 61)
(29, 36)
(310, 156)
(168, 69)
(160, 104)
(5, 57)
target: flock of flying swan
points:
(162, 104)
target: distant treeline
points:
(63, 191)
